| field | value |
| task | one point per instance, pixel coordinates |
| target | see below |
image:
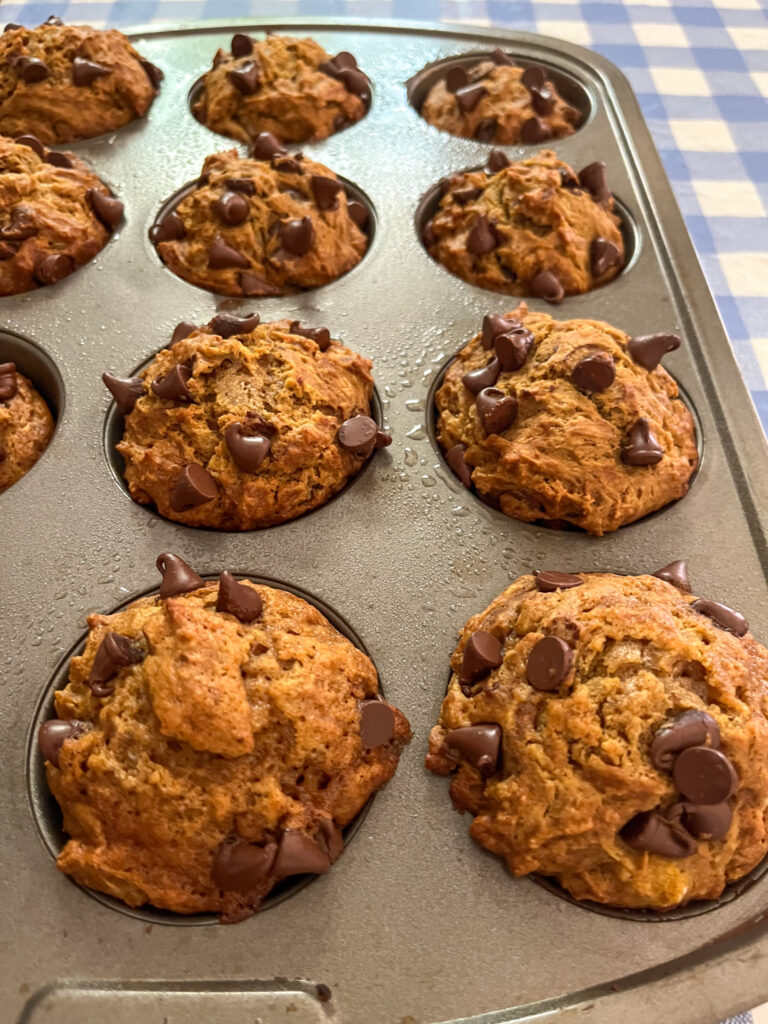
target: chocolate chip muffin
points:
(610, 732)
(289, 87)
(270, 225)
(55, 214)
(239, 425)
(497, 101)
(62, 82)
(528, 228)
(26, 425)
(566, 422)
(212, 741)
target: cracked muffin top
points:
(289, 87)
(610, 732)
(26, 425)
(62, 82)
(212, 741)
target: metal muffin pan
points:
(415, 924)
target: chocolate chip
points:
(469, 96)
(649, 349)
(344, 59)
(455, 459)
(53, 19)
(706, 821)
(8, 250)
(153, 73)
(240, 866)
(265, 146)
(288, 164)
(114, 653)
(252, 285)
(242, 185)
(231, 208)
(482, 654)
(477, 744)
(704, 775)
(32, 70)
(126, 391)
(642, 448)
(545, 285)
(355, 82)
(226, 324)
(594, 373)
(543, 100)
(358, 213)
(502, 59)
(549, 581)
(486, 129)
(195, 486)
(169, 229)
(56, 159)
(320, 335)
(650, 832)
(245, 78)
(173, 384)
(592, 178)
(512, 348)
(497, 161)
(297, 236)
(457, 78)
(33, 143)
(9, 384)
(494, 325)
(324, 190)
(237, 599)
(603, 256)
(496, 410)
(534, 77)
(53, 268)
(463, 196)
(11, 27)
(55, 732)
(108, 209)
(247, 451)
(241, 45)
(358, 435)
(85, 72)
(298, 854)
(689, 729)
(22, 225)
(534, 130)
(178, 578)
(181, 331)
(484, 377)
(223, 256)
(723, 616)
(549, 663)
(377, 723)
(482, 237)
(568, 179)
(331, 840)
(676, 573)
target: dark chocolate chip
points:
(594, 373)
(153, 73)
(497, 161)
(482, 237)
(500, 58)
(549, 663)
(331, 840)
(85, 72)
(549, 581)
(108, 209)
(57, 159)
(11, 26)
(252, 285)
(247, 451)
(534, 77)
(325, 191)
(358, 436)
(33, 143)
(195, 486)
(226, 324)
(178, 577)
(358, 213)
(115, 652)
(723, 616)
(298, 854)
(592, 178)
(545, 285)
(340, 122)
(297, 236)
(494, 325)
(53, 19)
(232, 208)
(181, 331)
(534, 130)
(457, 78)
(469, 96)
(568, 179)
(482, 654)
(455, 459)
(320, 335)
(512, 348)
(22, 225)
(55, 732)
(265, 146)
(689, 729)
(704, 775)
(32, 70)
(53, 268)
(543, 100)
(126, 391)
(237, 599)
(288, 164)
(478, 744)
(377, 723)
(173, 384)
(245, 78)
(603, 256)
(355, 82)
(484, 377)
(704, 821)
(243, 185)
(650, 832)
(649, 349)
(496, 410)
(240, 866)
(642, 448)
(241, 45)
(344, 59)
(9, 384)
(223, 256)
(463, 196)
(486, 129)
(169, 229)
(676, 573)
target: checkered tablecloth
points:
(700, 70)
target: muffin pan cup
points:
(415, 923)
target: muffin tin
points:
(415, 924)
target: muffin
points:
(272, 224)
(55, 214)
(566, 422)
(62, 82)
(289, 87)
(497, 101)
(213, 740)
(239, 425)
(610, 732)
(528, 228)
(26, 425)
